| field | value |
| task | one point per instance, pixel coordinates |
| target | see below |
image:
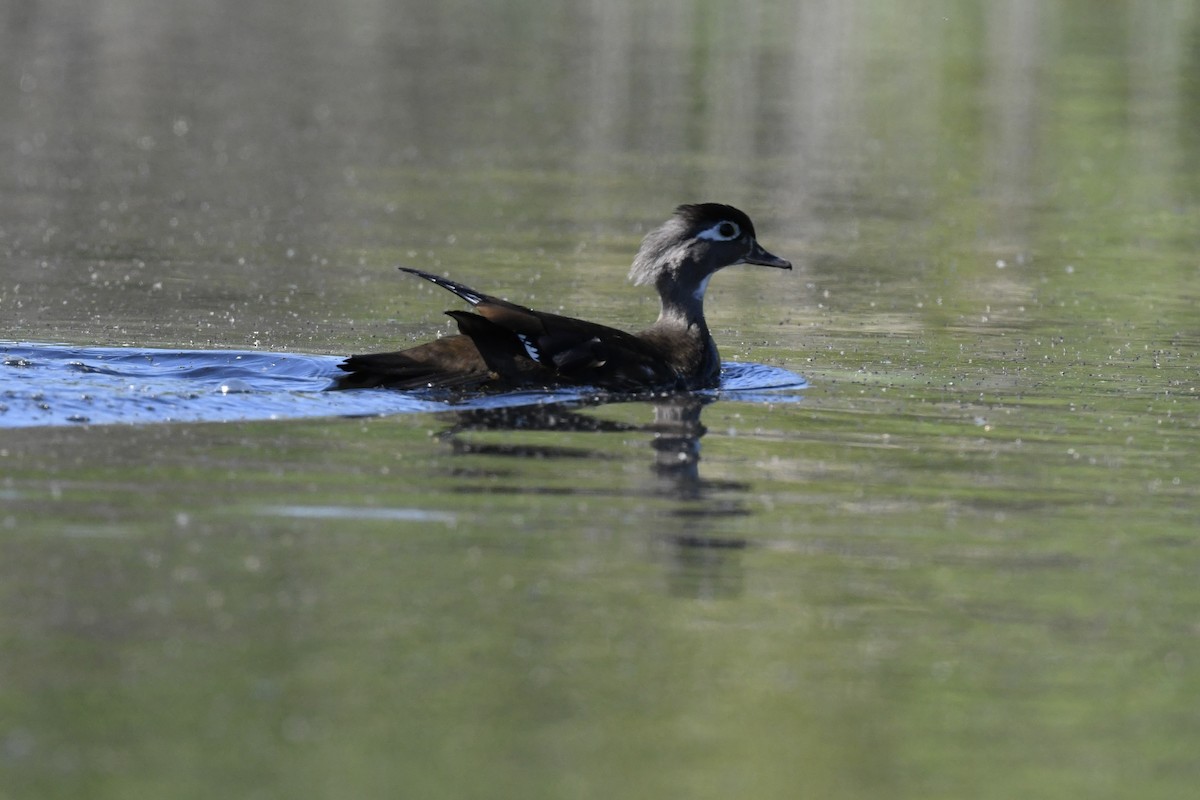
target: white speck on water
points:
(236, 386)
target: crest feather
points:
(666, 245)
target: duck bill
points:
(758, 255)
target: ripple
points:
(360, 513)
(48, 384)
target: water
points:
(57, 385)
(961, 562)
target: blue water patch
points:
(46, 384)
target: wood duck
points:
(506, 346)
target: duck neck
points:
(683, 308)
(681, 337)
(683, 333)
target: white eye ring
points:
(725, 231)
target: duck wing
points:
(524, 346)
(502, 344)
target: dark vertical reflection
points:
(702, 560)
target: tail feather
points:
(465, 292)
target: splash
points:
(46, 384)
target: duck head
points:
(680, 256)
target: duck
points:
(503, 346)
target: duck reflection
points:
(702, 561)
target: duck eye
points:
(721, 232)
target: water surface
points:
(45, 384)
(963, 564)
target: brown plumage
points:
(502, 345)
